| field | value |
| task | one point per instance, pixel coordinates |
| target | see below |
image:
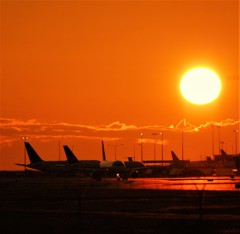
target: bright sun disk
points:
(200, 86)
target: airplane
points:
(132, 168)
(129, 164)
(103, 168)
(226, 155)
(218, 166)
(72, 159)
(157, 161)
(177, 162)
(133, 164)
(36, 162)
(231, 158)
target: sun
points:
(200, 86)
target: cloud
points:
(12, 130)
(185, 126)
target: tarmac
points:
(143, 205)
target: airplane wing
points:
(20, 164)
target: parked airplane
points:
(36, 162)
(128, 169)
(203, 167)
(177, 162)
(104, 168)
(72, 159)
(226, 157)
(230, 158)
(133, 164)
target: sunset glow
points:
(78, 72)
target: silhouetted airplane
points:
(72, 159)
(134, 164)
(131, 168)
(36, 162)
(231, 155)
(177, 162)
(232, 158)
(104, 168)
(222, 165)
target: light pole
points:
(232, 149)
(236, 140)
(222, 143)
(154, 145)
(212, 140)
(24, 151)
(134, 151)
(219, 139)
(59, 151)
(161, 133)
(141, 135)
(115, 149)
(182, 146)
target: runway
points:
(149, 205)
(189, 183)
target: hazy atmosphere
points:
(78, 72)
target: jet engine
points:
(134, 174)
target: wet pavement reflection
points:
(190, 183)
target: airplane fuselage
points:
(112, 164)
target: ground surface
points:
(74, 205)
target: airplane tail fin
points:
(32, 154)
(174, 157)
(70, 155)
(103, 152)
(223, 152)
(130, 159)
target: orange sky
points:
(81, 71)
